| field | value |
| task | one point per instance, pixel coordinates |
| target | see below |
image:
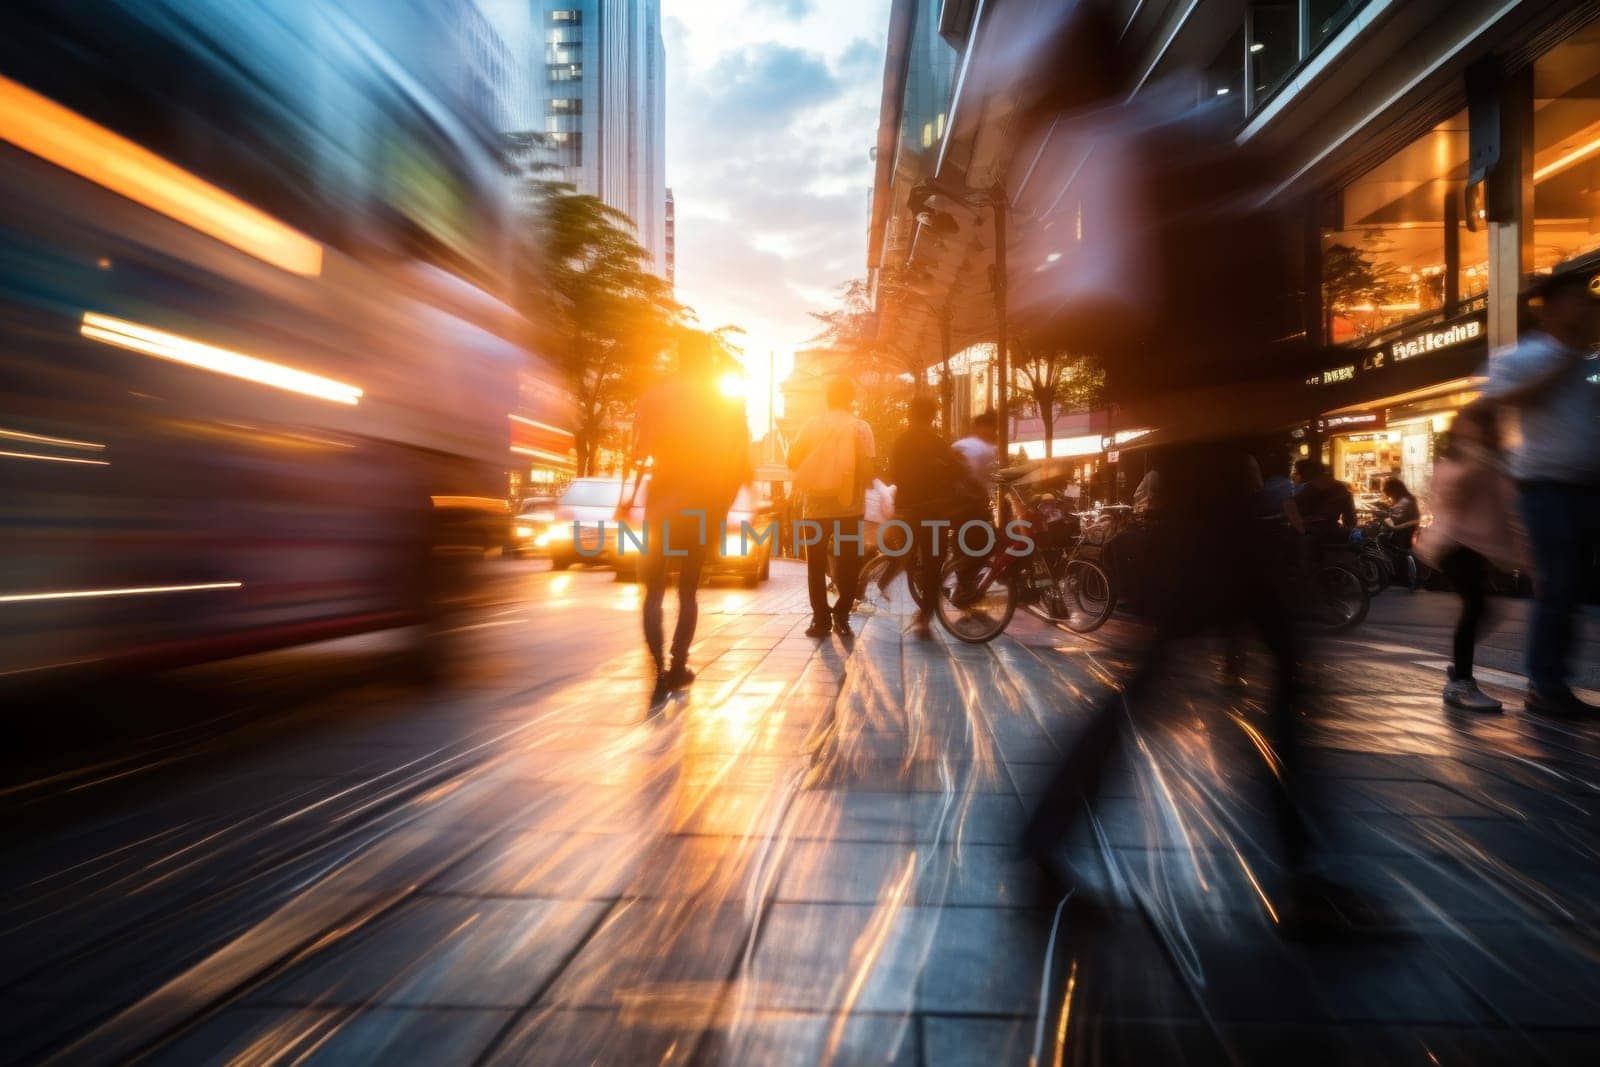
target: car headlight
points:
(523, 532)
(734, 545)
(542, 540)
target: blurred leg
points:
(653, 569)
(847, 568)
(1468, 574)
(690, 567)
(817, 581)
(1550, 511)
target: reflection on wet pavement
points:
(811, 857)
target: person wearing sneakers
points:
(832, 463)
(1474, 526)
(1547, 380)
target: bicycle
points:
(1328, 593)
(978, 597)
(880, 572)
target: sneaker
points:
(819, 628)
(841, 626)
(1560, 703)
(679, 677)
(1464, 693)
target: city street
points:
(808, 857)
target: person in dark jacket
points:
(933, 485)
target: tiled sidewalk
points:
(811, 858)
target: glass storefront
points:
(1398, 437)
(1566, 150)
(1400, 250)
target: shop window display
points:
(1401, 251)
(1566, 150)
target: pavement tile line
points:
(191, 995)
(709, 970)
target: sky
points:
(772, 111)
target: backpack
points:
(829, 471)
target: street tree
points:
(585, 273)
(1055, 379)
(884, 381)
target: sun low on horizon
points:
(772, 111)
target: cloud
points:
(770, 82)
(769, 127)
(793, 9)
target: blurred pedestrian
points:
(1208, 514)
(980, 447)
(698, 447)
(935, 492)
(832, 464)
(1325, 505)
(1474, 527)
(1403, 518)
(1545, 380)
(1405, 515)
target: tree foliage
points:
(585, 272)
(1351, 279)
(1055, 379)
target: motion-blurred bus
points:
(256, 366)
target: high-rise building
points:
(594, 87)
(672, 239)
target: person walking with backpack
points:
(1545, 379)
(1474, 527)
(832, 463)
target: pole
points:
(945, 405)
(1002, 414)
(772, 424)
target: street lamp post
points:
(1002, 413)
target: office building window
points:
(1399, 249)
(569, 72)
(1566, 150)
(1274, 51)
(565, 105)
(1326, 17)
(566, 18)
(1225, 76)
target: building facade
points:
(671, 239)
(594, 89)
(1427, 160)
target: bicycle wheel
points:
(1085, 591)
(1370, 572)
(871, 585)
(1341, 596)
(980, 617)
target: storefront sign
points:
(1334, 375)
(1351, 421)
(1435, 340)
(1113, 455)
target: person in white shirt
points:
(832, 464)
(1546, 378)
(979, 448)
